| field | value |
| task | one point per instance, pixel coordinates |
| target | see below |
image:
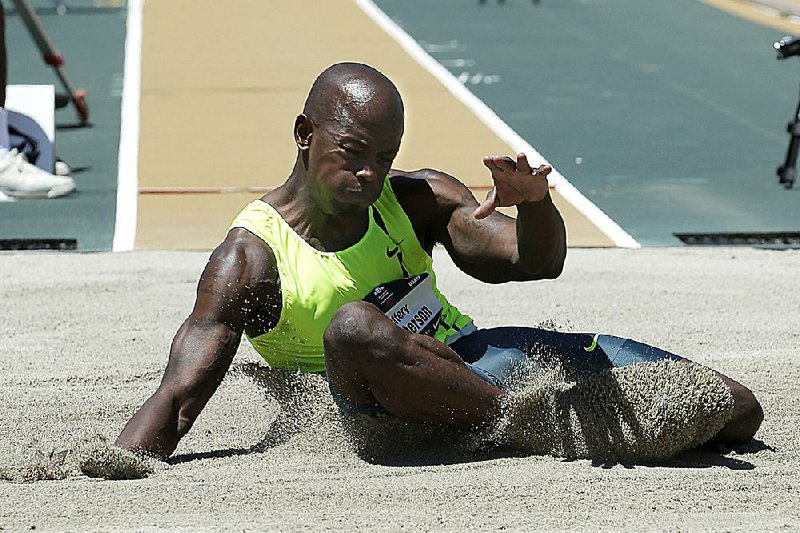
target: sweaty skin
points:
(347, 138)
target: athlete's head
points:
(350, 132)
(349, 93)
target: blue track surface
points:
(676, 110)
(91, 40)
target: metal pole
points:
(51, 56)
(788, 171)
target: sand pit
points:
(85, 337)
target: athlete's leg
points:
(544, 348)
(747, 413)
(579, 353)
(370, 360)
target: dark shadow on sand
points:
(214, 454)
(713, 454)
(705, 456)
(431, 447)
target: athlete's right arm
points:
(239, 273)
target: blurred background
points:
(666, 119)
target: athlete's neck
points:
(326, 229)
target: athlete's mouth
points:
(362, 190)
(357, 193)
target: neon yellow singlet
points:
(315, 284)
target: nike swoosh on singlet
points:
(592, 346)
(392, 253)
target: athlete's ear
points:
(303, 129)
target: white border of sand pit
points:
(128, 160)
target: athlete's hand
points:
(514, 183)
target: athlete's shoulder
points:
(240, 285)
(429, 197)
(244, 257)
(430, 190)
(419, 176)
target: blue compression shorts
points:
(498, 355)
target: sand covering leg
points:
(642, 412)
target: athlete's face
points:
(349, 156)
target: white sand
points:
(84, 338)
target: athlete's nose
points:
(366, 173)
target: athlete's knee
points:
(747, 414)
(357, 329)
(350, 325)
(745, 419)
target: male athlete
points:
(332, 272)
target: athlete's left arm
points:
(483, 242)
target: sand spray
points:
(646, 412)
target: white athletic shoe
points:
(20, 179)
(62, 168)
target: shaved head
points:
(349, 93)
(347, 137)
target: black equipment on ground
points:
(789, 47)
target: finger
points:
(489, 163)
(522, 163)
(543, 170)
(505, 163)
(488, 205)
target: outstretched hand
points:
(514, 183)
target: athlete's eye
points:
(351, 149)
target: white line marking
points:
(603, 222)
(128, 160)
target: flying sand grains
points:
(641, 413)
(644, 412)
(94, 457)
(41, 467)
(386, 440)
(97, 458)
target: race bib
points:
(410, 303)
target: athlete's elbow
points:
(543, 274)
(559, 258)
(552, 273)
(555, 269)
(540, 270)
